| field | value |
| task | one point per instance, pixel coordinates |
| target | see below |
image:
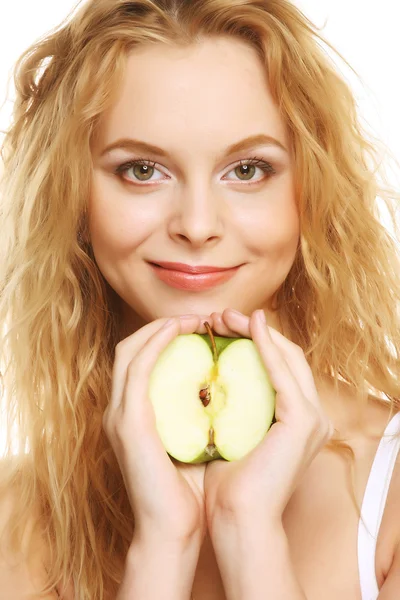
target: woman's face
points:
(187, 116)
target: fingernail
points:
(261, 317)
(235, 312)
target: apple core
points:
(212, 397)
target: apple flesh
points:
(212, 397)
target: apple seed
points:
(205, 396)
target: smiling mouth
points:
(192, 269)
(193, 281)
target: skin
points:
(194, 103)
(196, 206)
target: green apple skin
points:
(242, 403)
(220, 342)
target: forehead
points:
(215, 88)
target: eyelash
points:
(265, 166)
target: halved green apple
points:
(212, 397)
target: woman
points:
(204, 133)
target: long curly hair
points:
(59, 318)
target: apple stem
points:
(211, 437)
(214, 347)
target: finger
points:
(278, 369)
(240, 325)
(220, 327)
(292, 353)
(301, 370)
(290, 373)
(127, 349)
(132, 344)
(142, 364)
(135, 414)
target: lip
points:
(193, 270)
(192, 278)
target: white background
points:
(364, 32)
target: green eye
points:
(143, 172)
(245, 171)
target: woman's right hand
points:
(167, 497)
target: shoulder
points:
(375, 419)
(388, 544)
(362, 427)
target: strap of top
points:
(373, 505)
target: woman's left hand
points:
(257, 488)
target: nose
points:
(197, 217)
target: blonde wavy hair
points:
(59, 318)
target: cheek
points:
(273, 229)
(117, 223)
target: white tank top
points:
(373, 505)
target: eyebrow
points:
(252, 141)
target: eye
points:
(142, 170)
(247, 168)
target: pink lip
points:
(185, 277)
(194, 270)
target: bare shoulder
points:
(20, 576)
(388, 544)
(364, 430)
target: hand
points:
(166, 496)
(258, 487)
